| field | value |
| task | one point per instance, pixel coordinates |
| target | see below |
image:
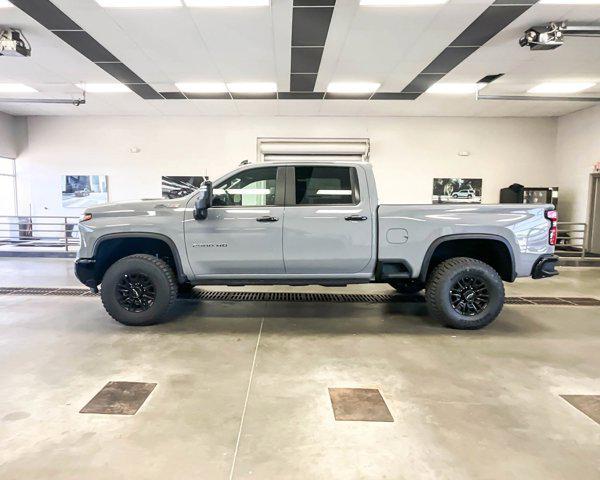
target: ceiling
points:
(385, 45)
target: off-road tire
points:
(407, 287)
(157, 271)
(441, 281)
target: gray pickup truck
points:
(311, 223)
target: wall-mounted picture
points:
(83, 190)
(457, 190)
(175, 187)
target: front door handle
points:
(356, 218)
(267, 219)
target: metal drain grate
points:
(44, 291)
(517, 301)
(300, 297)
(225, 296)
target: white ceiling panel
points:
(240, 42)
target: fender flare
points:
(156, 236)
(467, 236)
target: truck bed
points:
(408, 232)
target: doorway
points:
(594, 214)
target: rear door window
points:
(325, 186)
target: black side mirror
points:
(204, 201)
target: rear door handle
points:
(356, 218)
(267, 219)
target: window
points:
(324, 186)
(8, 187)
(249, 188)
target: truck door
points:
(242, 234)
(328, 224)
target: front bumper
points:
(544, 267)
(85, 271)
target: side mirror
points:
(204, 201)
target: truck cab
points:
(300, 223)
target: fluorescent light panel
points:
(455, 88)
(352, 87)
(5, 4)
(257, 87)
(104, 87)
(570, 2)
(561, 87)
(227, 3)
(206, 87)
(401, 3)
(139, 3)
(16, 88)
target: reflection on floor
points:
(243, 389)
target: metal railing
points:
(572, 237)
(40, 231)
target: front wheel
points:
(138, 290)
(465, 293)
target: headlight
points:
(85, 217)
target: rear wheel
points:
(408, 287)
(138, 290)
(465, 293)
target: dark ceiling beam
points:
(310, 25)
(493, 20)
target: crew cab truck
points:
(307, 223)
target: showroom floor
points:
(242, 387)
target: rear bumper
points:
(85, 271)
(544, 267)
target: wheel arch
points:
(113, 246)
(473, 246)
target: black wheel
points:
(469, 196)
(454, 195)
(407, 287)
(465, 293)
(138, 290)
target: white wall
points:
(12, 135)
(577, 150)
(407, 153)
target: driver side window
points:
(249, 188)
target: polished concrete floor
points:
(242, 388)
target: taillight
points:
(552, 215)
(85, 217)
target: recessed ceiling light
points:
(401, 3)
(246, 87)
(201, 87)
(227, 3)
(104, 87)
(455, 88)
(5, 4)
(16, 88)
(570, 2)
(352, 87)
(561, 87)
(139, 3)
